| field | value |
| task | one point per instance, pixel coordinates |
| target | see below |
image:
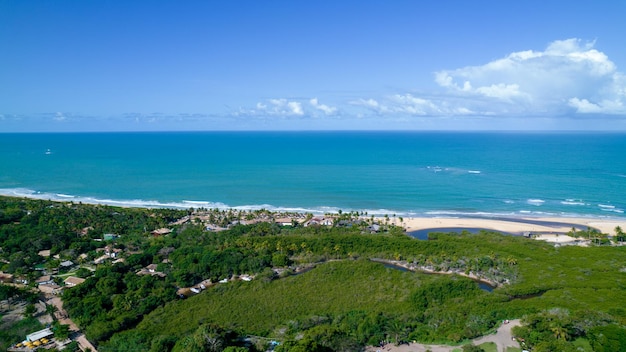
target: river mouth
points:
(423, 233)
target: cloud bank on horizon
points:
(569, 80)
(570, 77)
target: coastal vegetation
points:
(335, 287)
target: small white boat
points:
(48, 152)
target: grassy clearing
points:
(489, 347)
(258, 307)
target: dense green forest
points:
(318, 288)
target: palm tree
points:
(50, 309)
(511, 261)
(559, 332)
(619, 234)
(573, 232)
(397, 330)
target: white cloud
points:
(328, 110)
(285, 107)
(500, 91)
(275, 107)
(282, 107)
(567, 78)
(59, 116)
(372, 105)
(295, 108)
(585, 106)
(567, 74)
(410, 105)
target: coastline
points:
(518, 226)
(522, 212)
(554, 225)
(512, 224)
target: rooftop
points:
(39, 334)
(73, 281)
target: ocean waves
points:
(535, 202)
(183, 204)
(573, 202)
(610, 208)
(407, 174)
(451, 170)
(513, 208)
(60, 197)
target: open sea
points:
(402, 173)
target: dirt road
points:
(63, 318)
(502, 338)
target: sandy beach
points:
(519, 226)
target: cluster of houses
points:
(109, 252)
(53, 280)
(322, 220)
(49, 281)
(45, 283)
(215, 220)
(151, 270)
(212, 222)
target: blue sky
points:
(303, 65)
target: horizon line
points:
(328, 131)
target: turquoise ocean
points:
(402, 173)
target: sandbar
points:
(550, 225)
